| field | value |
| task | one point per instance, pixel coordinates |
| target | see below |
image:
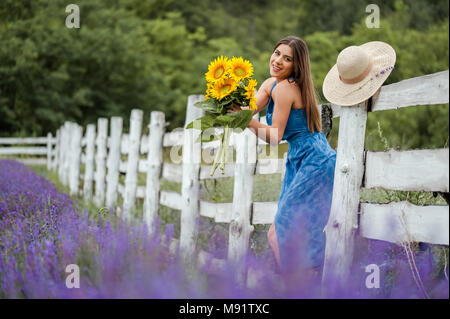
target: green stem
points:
(227, 132)
(218, 157)
(221, 156)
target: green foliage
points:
(153, 54)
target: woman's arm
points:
(262, 95)
(272, 134)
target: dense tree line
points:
(153, 54)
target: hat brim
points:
(338, 92)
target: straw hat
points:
(358, 73)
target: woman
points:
(296, 235)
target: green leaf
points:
(206, 121)
(241, 119)
(209, 106)
(225, 120)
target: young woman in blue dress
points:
(296, 235)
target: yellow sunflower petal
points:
(240, 69)
(223, 88)
(217, 69)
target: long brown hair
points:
(302, 76)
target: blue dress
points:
(306, 192)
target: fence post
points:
(49, 150)
(240, 225)
(190, 186)
(66, 153)
(100, 169)
(89, 164)
(131, 178)
(342, 223)
(154, 166)
(56, 151)
(60, 151)
(113, 161)
(75, 156)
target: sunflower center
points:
(225, 89)
(240, 72)
(219, 72)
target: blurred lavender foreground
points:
(41, 233)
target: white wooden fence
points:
(100, 151)
(411, 170)
(41, 148)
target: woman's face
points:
(282, 62)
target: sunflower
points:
(223, 88)
(250, 93)
(217, 69)
(240, 69)
(208, 91)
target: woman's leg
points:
(272, 237)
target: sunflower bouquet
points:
(229, 83)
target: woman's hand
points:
(237, 108)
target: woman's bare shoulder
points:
(266, 86)
(286, 87)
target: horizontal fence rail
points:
(47, 149)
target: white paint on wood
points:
(211, 264)
(154, 168)
(240, 227)
(113, 161)
(75, 145)
(221, 212)
(89, 163)
(342, 223)
(121, 189)
(66, 153)
(174, 137)
(124, 142)
(144, 144)
(205, 171)
(62, 137)
(122, 166)
(264, 212)
(190, 186)
(26, 140)
(412, 170)
(100, 159)
(30, 150)
(422, 90)
(49, 151)
(56, 151)
(269, 166)
(404, 222)
(335, 109)
(140, 191)
(172, 172)
(131, 178)
(171, 199)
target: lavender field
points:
(43, 230)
